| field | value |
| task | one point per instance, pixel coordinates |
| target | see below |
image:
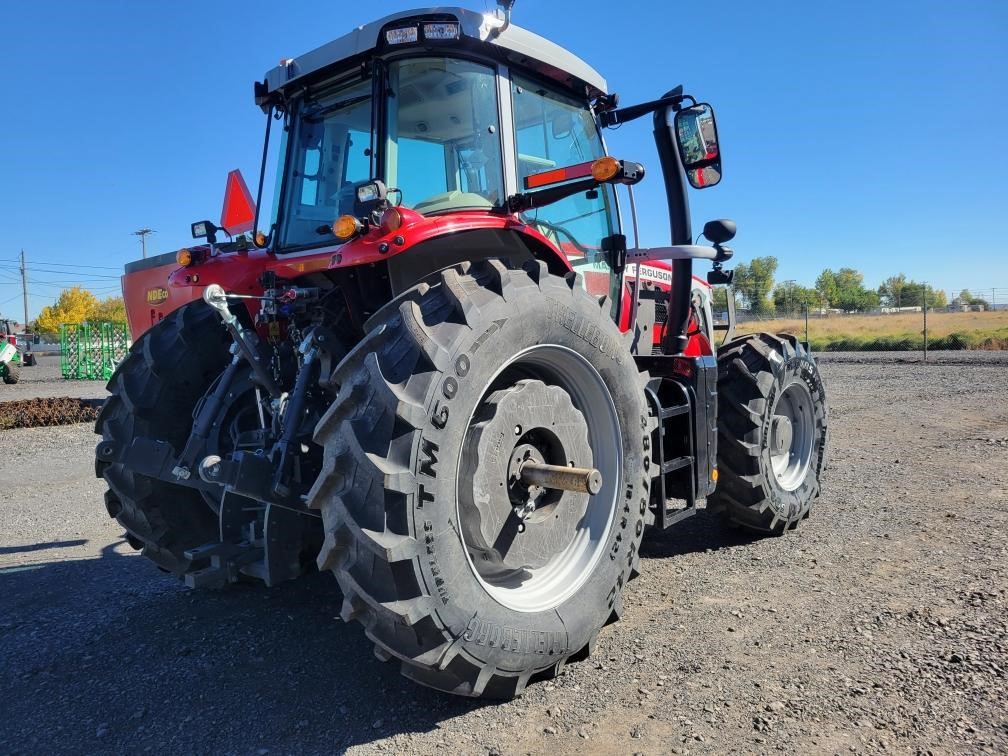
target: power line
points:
(65, 265)
(143, 233)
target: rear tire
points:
(407, 494)
(772, 432)
(153, 394)
(12, 373)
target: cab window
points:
(553, 130)
(442, 136)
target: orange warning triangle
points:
(238, 213)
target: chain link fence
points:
(910, 330)
(91, 351)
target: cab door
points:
(553, 130)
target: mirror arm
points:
(674, 177)
(519, 203)
(262, 177)
(629, 173)
(673, 99)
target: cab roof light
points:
(401, 36)
(441, 31)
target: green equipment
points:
(10, 358)
(91, 351)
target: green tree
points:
(891, 290)
(966, 298)
(789, 297)
(826, 287)
(845, 290)
(754, 282)
(914, 292)
(719, 297)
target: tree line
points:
(77, 305)
(842, 289)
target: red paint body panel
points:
(239, 272)
(143, 309)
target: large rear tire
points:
(153, 394)
(772, 432)
(11, 373)
(454, 381)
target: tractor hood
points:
(512, 45)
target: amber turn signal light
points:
(605, 168)
(346, 227)
(184, 257)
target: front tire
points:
(11, 373)
(772, 432)
(453, 380)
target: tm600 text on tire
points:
(772, 432)
(456, 383)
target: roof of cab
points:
(519, 46)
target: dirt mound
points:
(63, 410)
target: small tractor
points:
(11, 360)
(442, 373)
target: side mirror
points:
(696, 137)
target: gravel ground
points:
(880, 624)
(45, 380)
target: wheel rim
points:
(544, 565)
(792, 429)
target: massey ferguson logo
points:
(157, 295)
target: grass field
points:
(902, 332)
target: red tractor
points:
(442, 373)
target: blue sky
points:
(868, 134)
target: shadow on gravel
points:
(42, 546)
(704, 531)
(108, 654)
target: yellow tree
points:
(75, 305)
(110, 309)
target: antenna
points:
(505, 6)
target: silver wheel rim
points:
(792, 429)
(548, 586)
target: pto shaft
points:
(580, 479)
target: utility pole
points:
(24, 290)
(143, 233)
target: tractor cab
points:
(451, 113)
